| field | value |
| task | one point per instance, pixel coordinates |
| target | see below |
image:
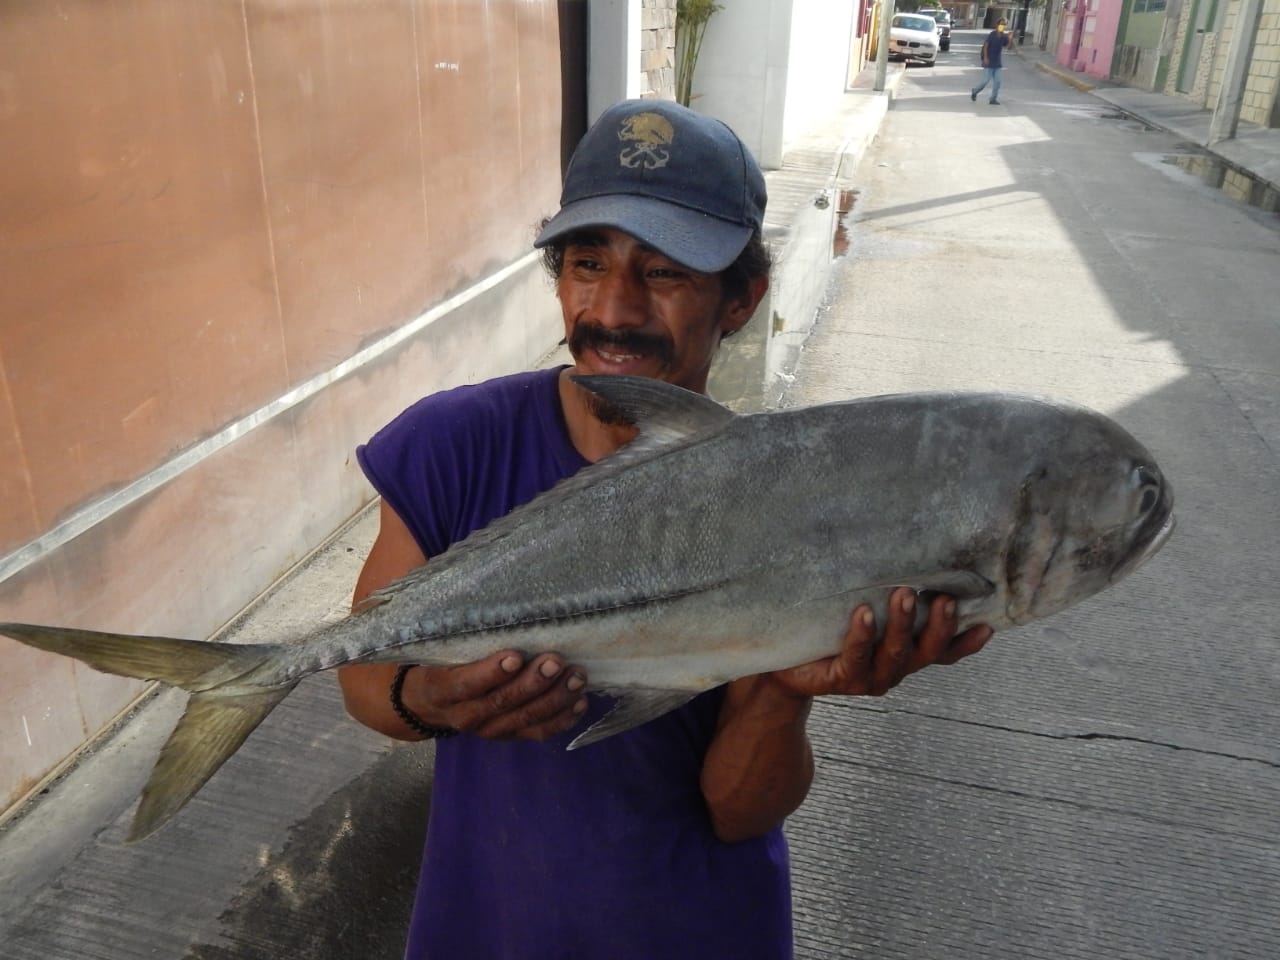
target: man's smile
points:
(619, 346)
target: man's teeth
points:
(617, 357)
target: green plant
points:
(691, 26)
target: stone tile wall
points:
(1263, 81)
(658, 49)
(1263, 85)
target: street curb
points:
(800, 226)
(1067, 78)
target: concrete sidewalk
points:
(800, 223)
(1255, 150)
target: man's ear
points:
(740, 309)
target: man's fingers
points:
(471, 681)
(505, 696)
(529, 684)
(498, 704)
(938, 631)
(967, 644)
(554, 711)
(897, 648)
(859, 642)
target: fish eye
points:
(1148, 483)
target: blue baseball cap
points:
(677, 180)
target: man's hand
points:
(501, 697)
(867, 668)
(759, 767)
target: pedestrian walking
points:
(992, 49)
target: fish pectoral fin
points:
(635, 705)
(212, 729)
(960, 584)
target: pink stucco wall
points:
(1087, 43)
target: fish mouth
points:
(1162, 535)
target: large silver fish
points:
(712, 547)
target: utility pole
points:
(1226, 113)
(882, 42)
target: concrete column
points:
(1226, 113)
(882, 42)
(613, 54)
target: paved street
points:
(1106, 784)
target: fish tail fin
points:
(220, 714)
(191, 664)
(210, 731)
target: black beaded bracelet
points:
(407, 715)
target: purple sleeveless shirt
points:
(534, 852)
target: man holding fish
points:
(664, 840)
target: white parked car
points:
(913, 36)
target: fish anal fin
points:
(635, 706)
(211, 730)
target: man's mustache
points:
(587, 336)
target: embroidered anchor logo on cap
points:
(648, 135)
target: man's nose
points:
(618, 300)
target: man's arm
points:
(500, 696)
(759, 766)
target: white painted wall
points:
(771, 68)
(818, 65)
(768, 68)
(741, 76)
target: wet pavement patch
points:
(1097, 113)
(840, 241)
(343, 884)
(1194, 166)
(1235, 183)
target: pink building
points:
(1087, 38)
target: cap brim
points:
(695, 240)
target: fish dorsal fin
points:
(663, 413)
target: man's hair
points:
(755, 260)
